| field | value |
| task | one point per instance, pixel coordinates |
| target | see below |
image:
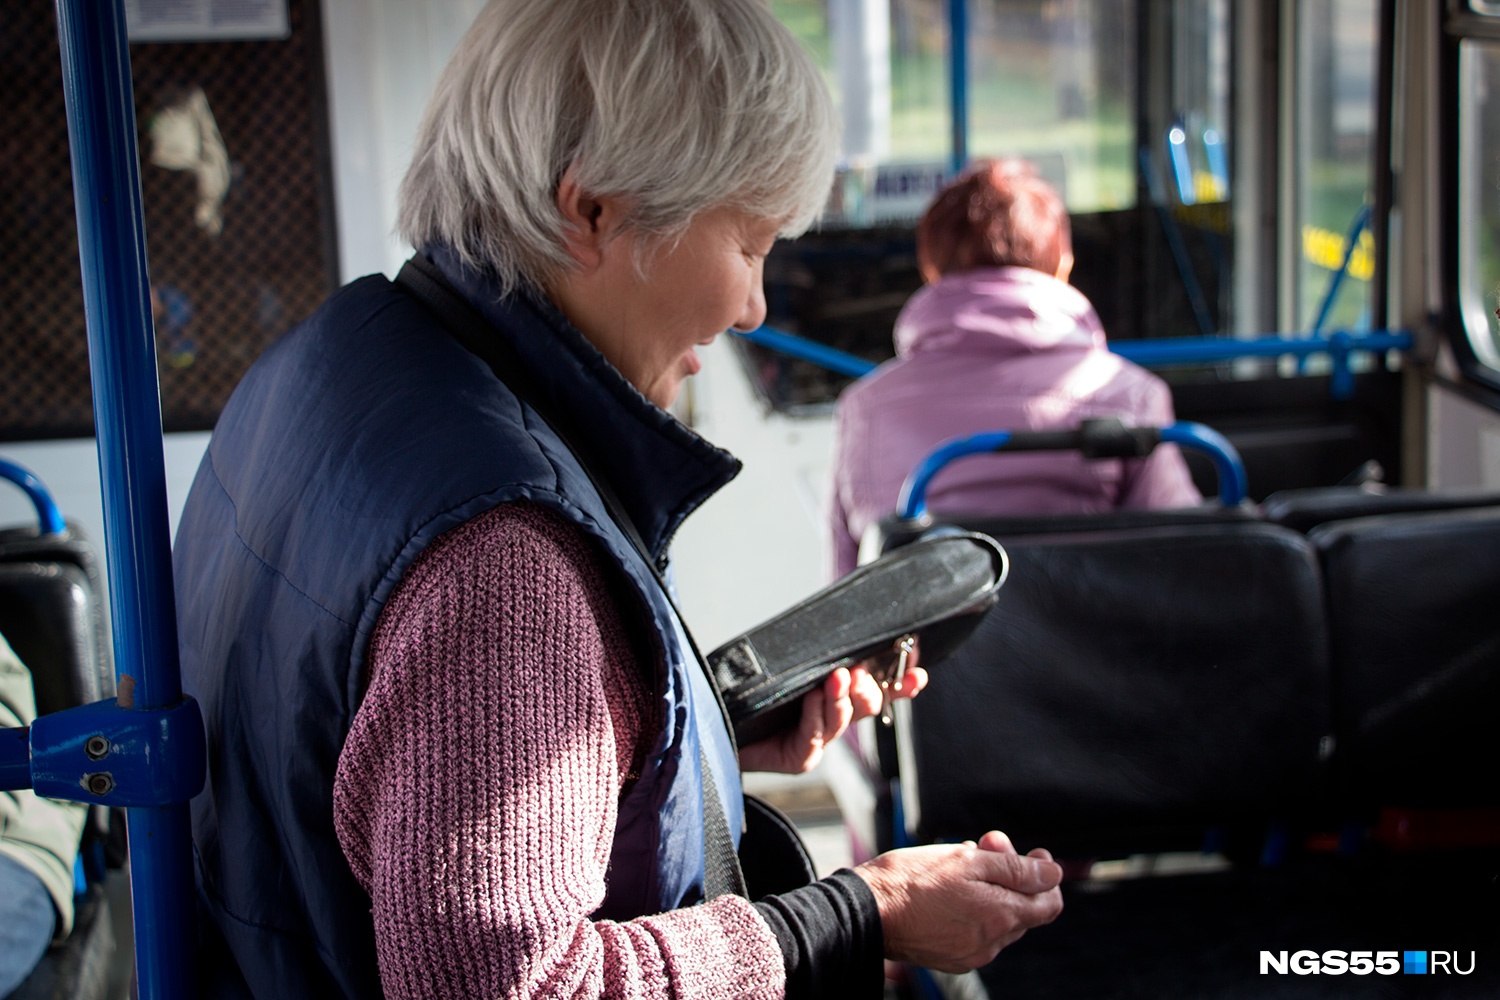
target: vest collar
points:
(660, 470)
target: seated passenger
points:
(996, 341)
(38, 844)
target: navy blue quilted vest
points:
(351, 444)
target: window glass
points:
(1479, 196)
(1485, 6)
(1053, 81)
(886, 63)
(1336, 129)
(1198, 136)
(1050, 80)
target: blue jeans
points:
(27, 921)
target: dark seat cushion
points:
(892, 531)
(52, 612)
(81, 967)
(1303, 510)
(1129, 688)
(47, 616)
(1416, 656)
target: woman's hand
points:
(952, 907)
(848, 695)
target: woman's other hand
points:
(848, 695)
(952, 907)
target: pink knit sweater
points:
(476, 795)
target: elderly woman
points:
(461, 744)
(997, 340)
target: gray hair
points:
(673, 106)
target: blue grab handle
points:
(47, 513)
(1233, 484)
(913, 500)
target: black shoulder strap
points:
(421, 279)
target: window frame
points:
(1461, 23)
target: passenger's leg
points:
(27, 922)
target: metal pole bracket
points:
(102, 753)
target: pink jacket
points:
(996, 349)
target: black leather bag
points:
(934, 588)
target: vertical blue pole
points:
(1351, 244)
(127, 417)
(958, 81)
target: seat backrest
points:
(893, 531)
(52, 614)
(1416, 656)
(1305, 509)
(1131, 688)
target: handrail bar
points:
(47, 512)
(127, 415)
(1153, 353)
(1099, 438)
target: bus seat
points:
(83, 966)
(1131, 689)
(52, 614)
(1305, 509)
(1415, 650)
(891, 532)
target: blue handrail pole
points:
(1182, 170)
(127, 416)
(1150, 353)
(47, 512)
(1208, 350)
(912, 502)
(15, 758)
(792, 345)
(958, 82)
(1361, 220)
(1233, 484)
(1218, 162)
(1176, 245)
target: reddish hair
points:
(997, 213)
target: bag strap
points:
(421, 279)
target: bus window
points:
(886, 64)
(1201, 97)
(1054, 81)
(1335, 130)
(1479, 196)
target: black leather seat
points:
(52, 614)
(1305, 509)
(1131, 688)
(1416, 656)
(891, 532)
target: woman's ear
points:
(1065, 265)
(589, 222)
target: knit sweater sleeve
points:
(476, 795)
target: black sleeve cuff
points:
(830, 937)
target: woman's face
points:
(647, 306)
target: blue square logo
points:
(1414, 963)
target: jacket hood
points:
(1004, 311)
